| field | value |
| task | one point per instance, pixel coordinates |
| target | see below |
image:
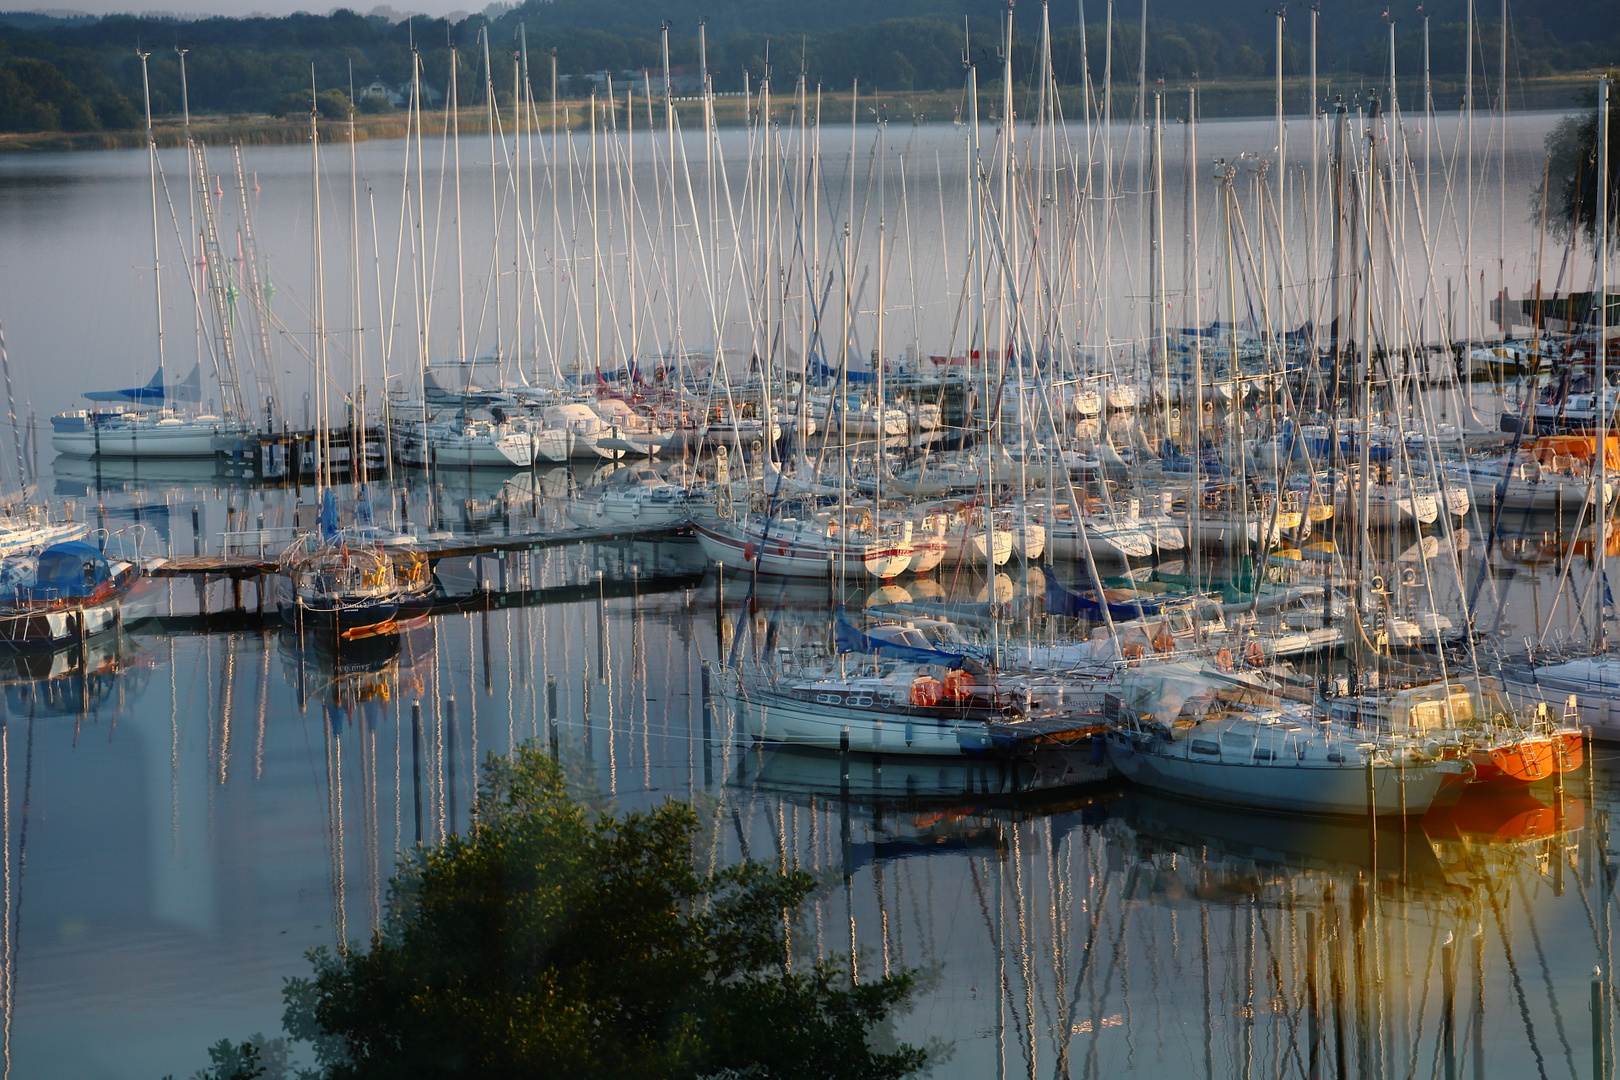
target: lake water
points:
(183, 822)
(204, 807)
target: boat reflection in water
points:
(365, 678)
(1110, 930)
(76, 680)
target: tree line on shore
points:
(83, 74)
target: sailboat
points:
(147, 421)
(70, 592)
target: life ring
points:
(1255, 655)
(926, 691)
(1163, 642)
(1223, 659)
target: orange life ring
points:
(1255, 654)
(958, 686)
(1163, 642)
(925, 691)
(1223, 659)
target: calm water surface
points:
(204, 807)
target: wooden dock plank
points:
(244, 566)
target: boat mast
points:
(554, 337)
(1468, 181)
(453, 106)
(323, 478)
(357, 440)
(1195, 498)
(1505, 323)
(192, 253)
(1603, 516)
(674, 264)
(493, 116)
(976, 180)
(596, 241)
(1162, 331)
(151, 163)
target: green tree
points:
(1571, 186)
(549, 942)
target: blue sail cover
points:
(329, 516)
(825, 373)
(1060, 600)
(851, 639)
(154, 393)
(73, 568)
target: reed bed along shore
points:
(1227, 98)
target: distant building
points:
(398, 96)
(683, 79)
(379, 90)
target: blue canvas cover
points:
(155, 393)
(851, 639)
(1061, 600)
(73, 568)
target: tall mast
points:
(151, 164)
(357, 443)
(522, 117)
(556, 227)
(191, 197)
(1313, 202)
(1141, 114)
(1501, 219)
(323, 478)
(1428, 123)
(674, 261)
(1468, 182)
(1162, 331)
(494, 199)
(1009, 228)
(711, 264)
(976, 180)
(453, 105)
(1282, 185)
(1194, 517)
(596, 243)
(1603, 200)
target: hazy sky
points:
(195, 8)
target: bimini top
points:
(71, 568)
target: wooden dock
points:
(242, 620)
(240, 567)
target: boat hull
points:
(1283, 787)
(770, 718)
(156, 441)
(27, 630)
(786, 558)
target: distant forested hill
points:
(82, 74)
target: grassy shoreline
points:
(1225, 99)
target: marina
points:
(1110, 556)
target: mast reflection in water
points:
(1120, 932)
(187, 812)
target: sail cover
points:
(154, 393)
(851, 639)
